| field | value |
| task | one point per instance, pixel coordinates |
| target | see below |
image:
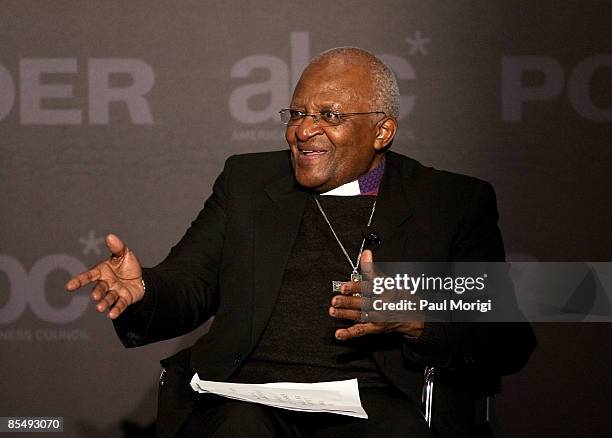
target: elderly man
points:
(262, 254)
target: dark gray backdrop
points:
(117, 116)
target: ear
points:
(385, 131)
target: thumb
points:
(367, 264)
(115, 245)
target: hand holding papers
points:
(339, 397)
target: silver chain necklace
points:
(355, 275)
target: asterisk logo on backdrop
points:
(91, 243)
(417, 43)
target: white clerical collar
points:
(348, 189)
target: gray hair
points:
(387, 95)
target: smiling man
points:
(349, 124)
(277, 254)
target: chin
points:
(306, 183)
(310, 182)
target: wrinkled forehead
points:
(340, 83)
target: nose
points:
(307, 129)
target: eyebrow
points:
(335, 106)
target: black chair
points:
(485, 423)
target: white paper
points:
(338, 397)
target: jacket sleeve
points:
(470, 348)
(181, 292)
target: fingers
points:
(411, 328)
(368, 267)
(114, 300)
(117, 249)
(346, 301)
(354, 315)
(346, 307)
(109, 299)
(355, 287)
(83, 279)
(118, 308)
(367, 264)
(115, 246)
(99, 290)
(357, 330)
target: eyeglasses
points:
(291, 117)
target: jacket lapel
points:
(276, 225)
(393, 210)
(395, 222)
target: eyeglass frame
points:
(317, 116)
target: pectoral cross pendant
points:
(355, 276)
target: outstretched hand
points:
(349, 306)
(118, 280)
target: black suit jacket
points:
(231, 260)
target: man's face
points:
(326, 157)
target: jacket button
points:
(237, 360)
